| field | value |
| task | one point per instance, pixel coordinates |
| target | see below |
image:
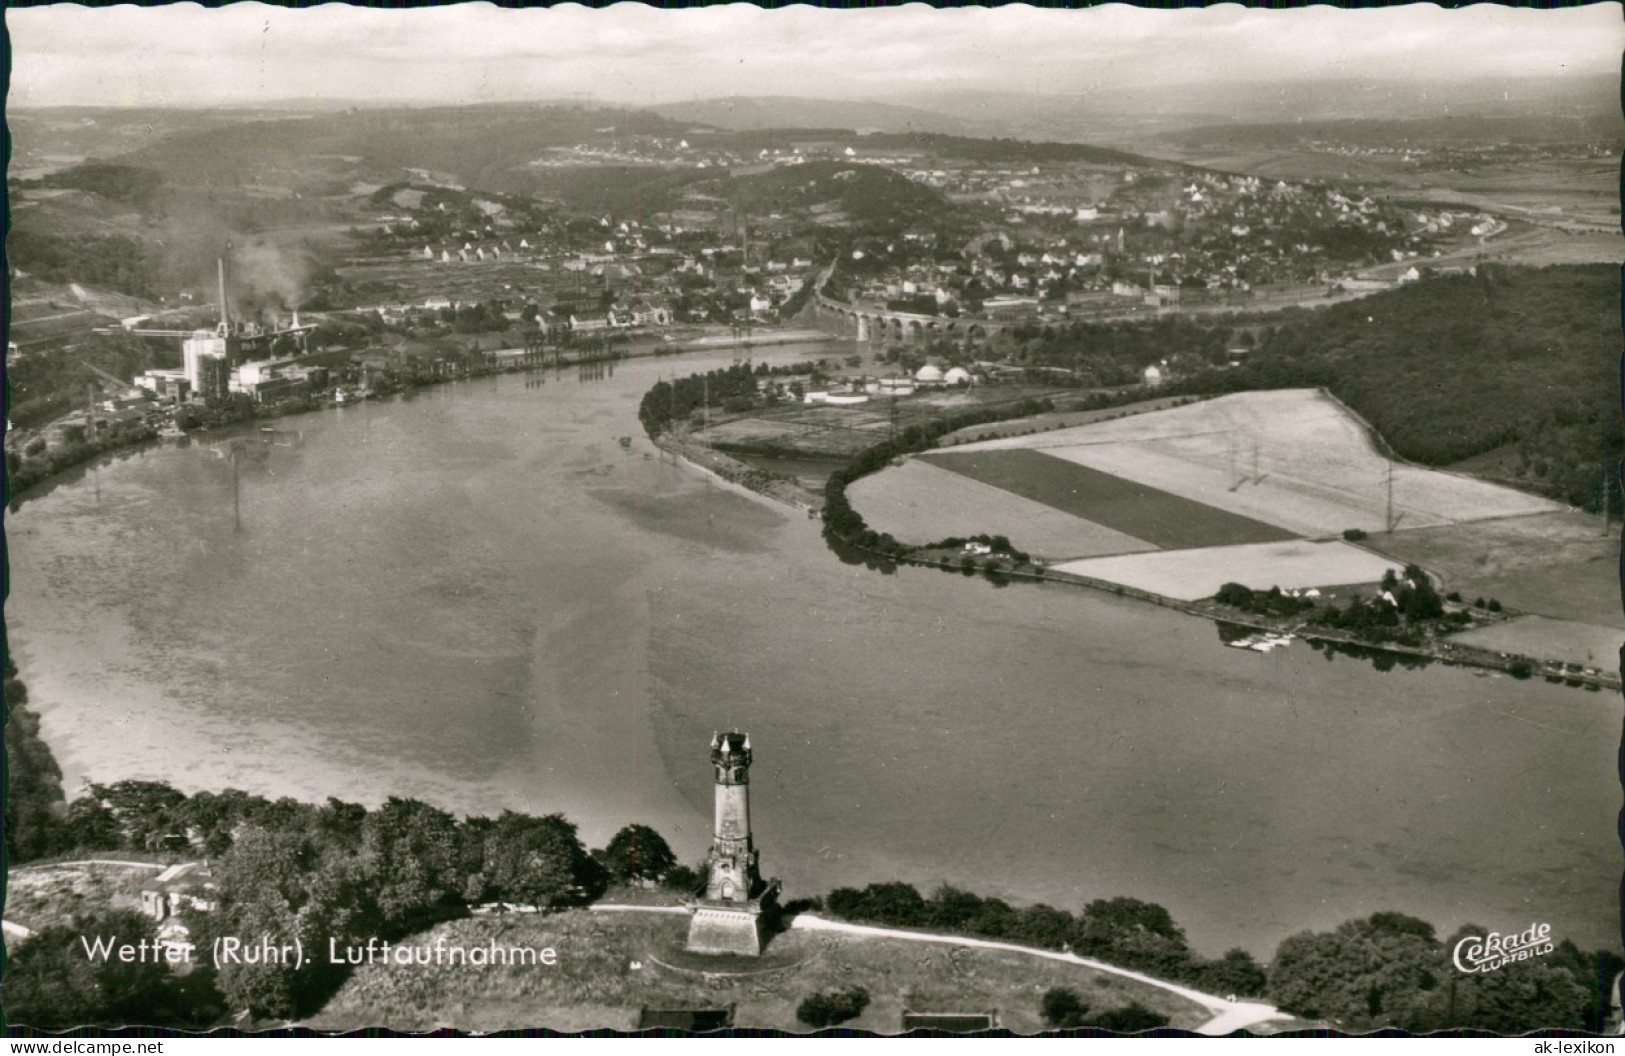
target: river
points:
(478, 597)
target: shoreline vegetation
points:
(146, 817)
(667, 407)
(348, 876)
(386, 889)
(25, 472)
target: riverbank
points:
(773, 486)
(765, 338)
(33, 471)
(478, 598)
(1443, 651)
(1521, 645)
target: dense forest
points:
(283, 868)
(33, 778)
(1518, 362)
(298, 871)
(1515, 368)
(1000, 151)
(1391, 971)
(677, 400)
(130, 184)
(1113, 354)
(1386, 971)
(486, 146)
(1120, 931)
(116, 262)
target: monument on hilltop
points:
(728, 918)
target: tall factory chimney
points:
(225, 312)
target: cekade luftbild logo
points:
(1486, 953)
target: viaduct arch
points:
(878, 324)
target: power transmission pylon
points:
(1390, 518)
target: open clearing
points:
(918, 502)
(843, 431)
(830, 436)
(1043, 423)
(1191, 574)
(1556, 564)
(1121, 504)
(1294, 458)
(595, 985)
(1577, 643)
(1227, 485)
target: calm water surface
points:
(477, 597)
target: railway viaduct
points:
(874, 323)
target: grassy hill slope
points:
(481, 146)
(612, 965)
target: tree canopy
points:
(1390, 970)
(637, 852)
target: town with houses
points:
(443, 280)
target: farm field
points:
(1587, 592)
(1566, 640)
(1295, 458)
(1559, 247)
(1191, 574)
(918, 502)
(612, 965)
(1120, 503)
(823, 429)
(1042, 423)
(800, 433)
(1555, 564)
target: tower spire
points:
(727, 918)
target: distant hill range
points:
(747, 113)
(1119, 115)
(484, 146)
(279, 157)
(1468, 130)
(1264, 102)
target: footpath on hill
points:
(1228, 1016)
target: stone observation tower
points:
(728, 919)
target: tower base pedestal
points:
(725, 927)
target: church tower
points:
(728, 918)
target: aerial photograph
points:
(889, 519)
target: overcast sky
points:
(184, 54)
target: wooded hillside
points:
(1518, 365)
